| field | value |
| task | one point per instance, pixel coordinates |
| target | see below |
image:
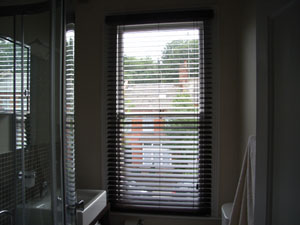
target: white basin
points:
(94, 203)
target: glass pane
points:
(31, 163)
(37, 166)
(7, 127)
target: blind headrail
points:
(179, 16)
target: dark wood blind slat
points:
(159, 138)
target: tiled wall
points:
(7, 181)
(36, 159)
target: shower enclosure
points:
(32, 168)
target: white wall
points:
(90, 97)
(247, 73)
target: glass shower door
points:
(7, 118)
(31, 160)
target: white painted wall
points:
(247, 73)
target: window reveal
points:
(160, 119)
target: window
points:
(14, 85)
(160, 114)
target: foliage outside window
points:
(160, 119)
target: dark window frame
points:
(112, 23)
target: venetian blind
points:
(160, 114)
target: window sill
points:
(153, 219)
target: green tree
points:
(140, 70)
(178, 54)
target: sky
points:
(140, 44)
(69, 34)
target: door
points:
(278, 109)
(31, 160)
